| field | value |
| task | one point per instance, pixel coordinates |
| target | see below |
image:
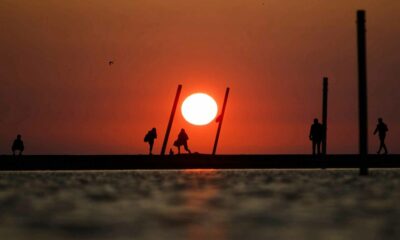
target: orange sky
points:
(59, 92)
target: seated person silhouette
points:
(316, 135)
(150, 136)
(182, 140)
(171, 152)
(18, 145)
(381, 129)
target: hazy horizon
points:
(60, 93)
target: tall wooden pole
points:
(220, 118)
(362, 91)
(324, 113)
(171, 119)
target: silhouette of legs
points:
(19, 152)
(186, 148)
(316, 147)
(151, 143)
(382, 145)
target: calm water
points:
(202, 204)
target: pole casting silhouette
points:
(362, 92)
(220, 118)
(171, 119)
(324, 114)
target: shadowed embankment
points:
(193, 161)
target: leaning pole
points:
(171, 119)
(362, 92)
(324, 114)
(220, 118)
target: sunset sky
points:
(59, 92)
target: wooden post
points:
(171, 119)
(362, 92)
(324, 113)
(220, 118)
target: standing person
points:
(316, 135)
(182, 140)
(381, 129)
(150, 136)
(18, 145)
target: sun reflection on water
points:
(198, 199)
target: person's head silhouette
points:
(19, 136)
(380, 120)
(315, 120)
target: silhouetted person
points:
(316, 135)
(18, 145)
(150, 136)
(381, 129)
(182, 141)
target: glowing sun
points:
(199, 109)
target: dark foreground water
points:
(202, 204)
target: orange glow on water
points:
(191, 171)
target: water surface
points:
(200, 204)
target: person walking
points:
(381, 129)
(150, 137)
(18, 145)
(182, 141)
(316, 135)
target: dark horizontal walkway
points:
(194, 161)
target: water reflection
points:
(200, 204)
(198, 199)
